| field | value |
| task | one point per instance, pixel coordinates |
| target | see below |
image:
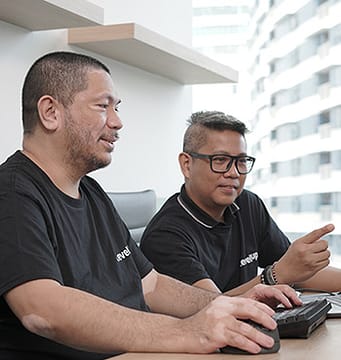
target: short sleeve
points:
(173, 253)
(26, 252)
(143, 265)
(274, 243)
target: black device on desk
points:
(334, 298)
(301, 321)
(297, 322)
(273, 333)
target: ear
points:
(49, 112)
(185, 162)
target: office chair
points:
(136, 208)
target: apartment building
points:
(221, 31)
(295, 67)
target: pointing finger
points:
(318, 233)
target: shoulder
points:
(172, 214)
(19, 176)
(89, 183)
(96, 196)
(169, 209)
(94, 192)
(248, 197)
(170, 219)
(250, 204)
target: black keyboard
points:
(301, 321)
(334, 298)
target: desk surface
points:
(323, 344)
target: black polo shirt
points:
(185, 242)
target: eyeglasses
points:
(221, 163)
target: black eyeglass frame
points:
(233, 159)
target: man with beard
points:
(65, 292)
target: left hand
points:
(305, 257)
(274, 295)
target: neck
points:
(216, 212)
(57, 174)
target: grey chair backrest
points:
(136, 208)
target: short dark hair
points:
(59, 74)
(199, 122)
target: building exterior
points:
(221, 31)
(294, 112)
(295, 68)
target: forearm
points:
(208, 284)
(83, 321)
(173, 297)
(94, 324)
(244, 287)
(327, 279)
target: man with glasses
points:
(215, 234)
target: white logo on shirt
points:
(249, 259)
(123, 254)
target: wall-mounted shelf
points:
(50, 14)
(140, 47)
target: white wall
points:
(171, 18)
(153, 109)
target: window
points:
(274, 202)
(309, 202)
(335, 116)
(296, 204)
(274, 168)
(324, 157)
(310, 164)
(324, 118)
(335, 35)
(336, 161)
(273, 134)
(335, 76)
(337, 201)
(323, 77)
(322, 37)
(325, 199)
(305, 13)
(296, 166)
(219, 30)
(309, 126)
(220, 10)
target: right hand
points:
(304, 257)
(274, 295)
(217, 325)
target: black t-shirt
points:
(81, 243)
(186, 243)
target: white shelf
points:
(140, 47)
(50, 14)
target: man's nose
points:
(113, 120)
(232, 171)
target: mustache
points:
(116, 136)
(112, 137)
